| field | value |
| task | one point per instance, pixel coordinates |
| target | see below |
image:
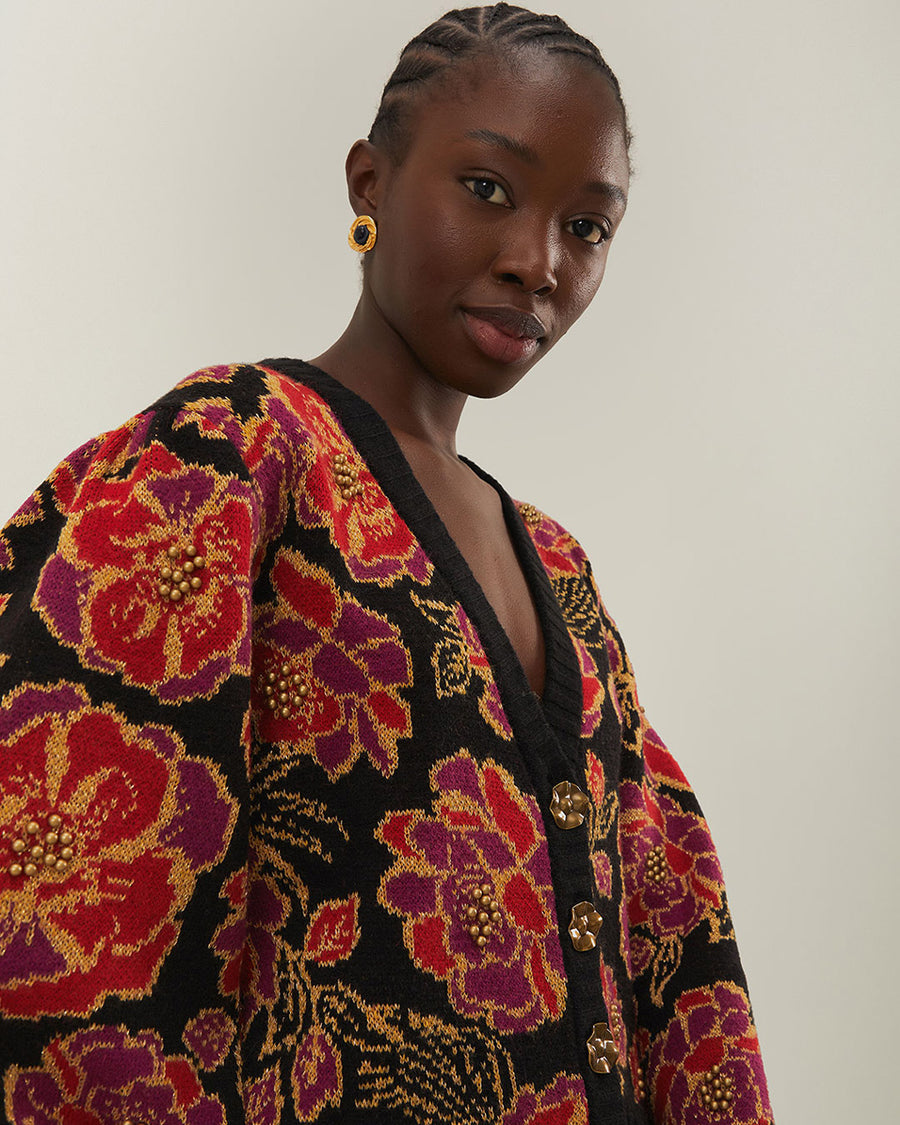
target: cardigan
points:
(286, 836)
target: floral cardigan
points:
(284, 834)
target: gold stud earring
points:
(362, 233)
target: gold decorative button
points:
(584, 926)
(602, 1050)
(569, 805)
(716, 1090)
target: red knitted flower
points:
(151, 578)
(373, 540)
(328, 673)
(104, 828)
(670, 869)
(706, 1068)
(564, 1102)
(105, 455)
(559, 552)
(671, 876)
(106, 1074)
(472, 884)
(247, 941)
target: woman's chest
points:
(472, 513)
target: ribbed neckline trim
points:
(559, 711)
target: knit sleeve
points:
(125, 645)
(696, 1054)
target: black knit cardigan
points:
(284, 834)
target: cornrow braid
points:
(462, 34)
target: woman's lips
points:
(502, 334)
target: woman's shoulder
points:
(229, 400)
(245, 419)
(243, 423)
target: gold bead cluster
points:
(530, 514)
(285, 690)
(640, 1087)
(482, 915)
(569, 805)
(345, 476)
(35, 851)
(178, 578)
(716, 1090)
(657, 867)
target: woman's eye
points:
(588, 230)
(488, 190)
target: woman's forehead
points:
(533, 92)
(533, 112)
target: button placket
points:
(569, 807)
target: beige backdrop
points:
(720, 430)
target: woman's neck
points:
(374, 361)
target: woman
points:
(326, 791)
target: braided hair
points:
(462, 34)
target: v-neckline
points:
(560, 706)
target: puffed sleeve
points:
(125, 647)
(695, 1056)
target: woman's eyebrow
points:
(604, 187)
(501, 140)
(529, 156)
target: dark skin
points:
(513, 184)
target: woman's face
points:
(494, 231)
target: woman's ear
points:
(367, 171)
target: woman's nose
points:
(527, 258)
